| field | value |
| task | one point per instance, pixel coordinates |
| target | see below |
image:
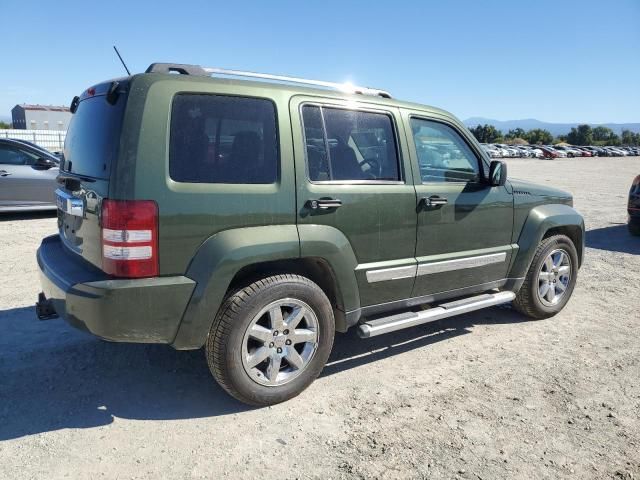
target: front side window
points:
(15, 156)
(443, 155)
(221, 139)
(344, 145)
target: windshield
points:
(93, 138)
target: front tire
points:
(634, 228)
(550, 280)
(271, 339)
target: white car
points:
(513, 152)
(491, 150)
(573, 152)
(537, 153)
(525, 152)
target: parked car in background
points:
(524, 151)
(491, 150)
(570, 151)
(38, 147)
(596, 151)
(504, 153)
(633, 207)
(616, 152)
(551, 152)
(27, 177)
(584, 151)
(564, 149)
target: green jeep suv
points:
(256, 215)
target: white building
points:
(40, 117)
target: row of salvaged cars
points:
(498, 150)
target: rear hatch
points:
(90, 155)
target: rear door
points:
(352, 176)
(464, 224)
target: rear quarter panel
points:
(190, 213)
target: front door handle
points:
(324, 203)
(4, 173)
(433, 201)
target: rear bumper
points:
(147, 310)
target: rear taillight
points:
(130, 238)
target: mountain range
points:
(554, 128)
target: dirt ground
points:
(483, 396)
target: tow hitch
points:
(44, 308)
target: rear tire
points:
(550, 280)
(271, 339)
(634, 228)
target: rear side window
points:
(93, 139)
(222, 139)
(349, 145)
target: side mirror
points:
(497, 173)
(44, 164)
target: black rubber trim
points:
(180, 68)
(64, 268)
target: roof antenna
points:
(123, 64)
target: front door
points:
(352, 177)
(464, 224)
(21, 185)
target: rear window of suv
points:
(93, 138)
(223, 139)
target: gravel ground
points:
(485, 395)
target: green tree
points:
(487, 133)
(5, 125)
(582, 135)
(603, 134)
(629, 138)
(539, 136)
(515, 133)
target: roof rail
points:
(207, 71)
(343, 87)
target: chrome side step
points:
(399, 321)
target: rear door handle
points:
(433, 201)
(4, 173)
(324, 203)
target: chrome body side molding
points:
(394, 273)
(461, 263)
(397, 273)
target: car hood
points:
(535, 189)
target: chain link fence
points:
(52, 140)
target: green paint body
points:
(208, 233)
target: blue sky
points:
(558, 61)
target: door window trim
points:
(396, 139)
(482, 164)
